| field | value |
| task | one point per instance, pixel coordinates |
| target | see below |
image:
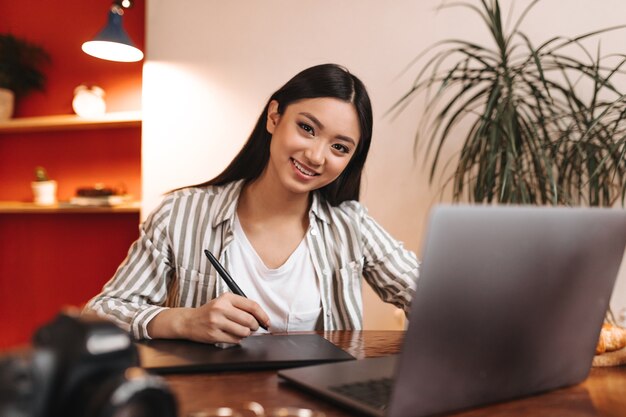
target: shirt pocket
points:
(350, 274)
(348, 285)
(305, 321)
(194, 288)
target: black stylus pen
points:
(228, 279)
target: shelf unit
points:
(71, 122)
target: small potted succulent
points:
(44, 189)
(21, 71)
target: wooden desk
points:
(602, 394)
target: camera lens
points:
(135, 393)
(150, 403)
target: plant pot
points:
(44, 192)
(7, 102)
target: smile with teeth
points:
(302, 169)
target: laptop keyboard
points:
(374, 392)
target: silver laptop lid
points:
(509, 303)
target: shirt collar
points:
(319, 208)
(228, 205)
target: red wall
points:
(48, 261)
(51, 261)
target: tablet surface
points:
(255, 352)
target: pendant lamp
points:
(113, 43)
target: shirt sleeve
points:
(138, 290)
(389, 268)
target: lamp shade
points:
(113, 43)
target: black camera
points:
(81, 367)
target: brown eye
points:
(341, 148)
(307, 128)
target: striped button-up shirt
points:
(166, 266)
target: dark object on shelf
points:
(95, 192)
(101, 190)
(100, 195)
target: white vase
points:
(7, 102)
(44, 192)
(89, 102)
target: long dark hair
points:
(327, 80)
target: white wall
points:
(211, 65)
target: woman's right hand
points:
(227, 318)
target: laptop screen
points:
(510, 303)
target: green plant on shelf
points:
(41, 174)
(21, 65)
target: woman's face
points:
(313, 141)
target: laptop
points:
(509, 303)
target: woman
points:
(282, 218)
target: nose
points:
(315, 153)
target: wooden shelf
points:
(71, 122)
(16, 207)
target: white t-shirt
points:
(290, 294)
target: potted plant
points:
(21, 71)
(44, 189)
(545, 126)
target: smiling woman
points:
(311, 143)
(283, 218)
